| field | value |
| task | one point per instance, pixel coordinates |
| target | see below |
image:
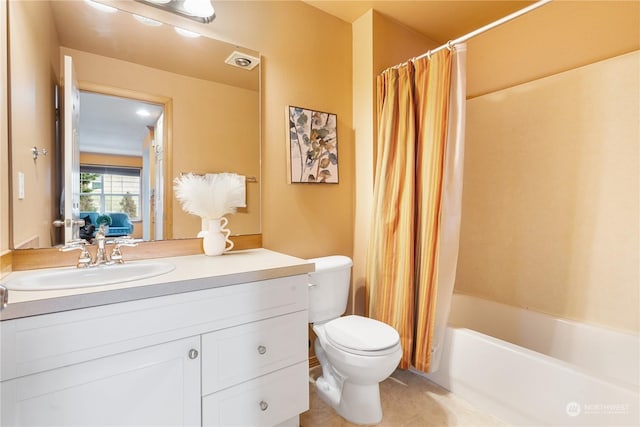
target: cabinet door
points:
(153, 386)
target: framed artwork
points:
(312, 146)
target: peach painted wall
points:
(34, 73)
(204, 138)
(559, 36)
(306, 61)
(110, 160)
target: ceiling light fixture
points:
(197, 10)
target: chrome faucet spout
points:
(101, 255)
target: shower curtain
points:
(413, 246)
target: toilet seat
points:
(362, 336)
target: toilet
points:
(356, 353)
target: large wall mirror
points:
(196, 114)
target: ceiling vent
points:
(242, 60)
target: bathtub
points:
(529, 368)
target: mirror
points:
(210, 115)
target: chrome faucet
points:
(102, 258)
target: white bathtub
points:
(529, 368)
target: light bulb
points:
(201, 8)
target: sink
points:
(68, 278)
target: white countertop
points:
(191, 273)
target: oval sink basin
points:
(68, 278)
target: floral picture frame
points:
(312, 145)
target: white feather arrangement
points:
(211, 196)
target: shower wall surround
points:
(550, 203)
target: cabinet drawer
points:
(234, 355)
(264, 401)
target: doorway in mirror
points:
(122, 152)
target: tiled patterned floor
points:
(408, 400)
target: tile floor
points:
(408, 400)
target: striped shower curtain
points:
(417, 196)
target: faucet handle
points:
(126, 241)
(80, 244)
(116, 254)
(73, 244)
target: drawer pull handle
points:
(262, 349)
(264, 405)
(193, 353)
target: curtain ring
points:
(429, 54)
(450, 46)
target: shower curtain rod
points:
(472, 34)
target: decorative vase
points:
(216, 238)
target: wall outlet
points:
(20, 185)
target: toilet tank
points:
(329, 287)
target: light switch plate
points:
(20, 185)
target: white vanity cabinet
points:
(229, 355)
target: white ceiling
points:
(110, 125)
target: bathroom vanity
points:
(218, 341)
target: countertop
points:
(191, 273)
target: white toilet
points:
(355, 352)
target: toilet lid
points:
(361, 333)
